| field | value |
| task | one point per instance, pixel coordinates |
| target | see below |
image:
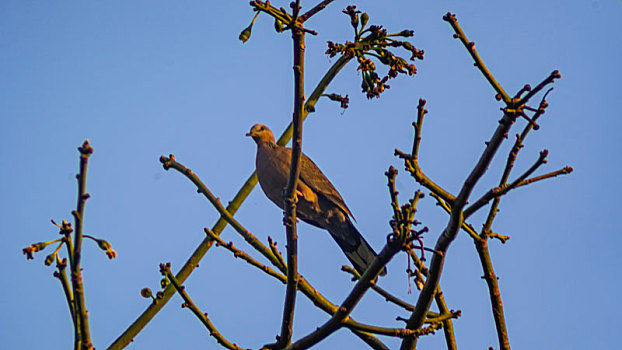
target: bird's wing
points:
(313, 177)
(273, 165)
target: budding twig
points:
(165, 270)
(238, 253)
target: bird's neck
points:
(268, 144)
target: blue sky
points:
(145, 78)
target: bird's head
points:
(261, 133)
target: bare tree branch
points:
(290, 190)
(165, 270)
(76, 271)
(470, 46)
(238, 253)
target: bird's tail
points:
(354, 246)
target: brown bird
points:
(319, 203)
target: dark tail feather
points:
(354, 246)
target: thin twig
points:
(395, 205)
(277, 254)
(390, 297)
(238, 253)
(448, 326)
(324, 304)
(468, 228)
(267, 8)
(317, 8)
(421, 268)
(65, 230)
(76, 271)
(384, 293)
(411, 161)
(501, 238)
(505, 188)
(518, 145)
(391, 332)
(61, 266)
(165, 269)
(444, 316)
(470, 46)
(295, 10)
(412, 166)
(563, 171)
(418, 125)
(363, 284)
(171, 162)
(494, 293)
(550, 79)
(524, 89)
(512, 155)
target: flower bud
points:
(364, 19)
(354, 20)
(278, 26)
(49, 259)
(245, 34)
(146, 293)
(406, 33)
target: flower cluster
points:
(65, 230)
(375, 42)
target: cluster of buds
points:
(65, 230)
(402, 225)
(374, 42)
(164, 282)
(36, 247)
(403, 215)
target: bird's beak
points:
(249, 134)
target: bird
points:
(318, 202)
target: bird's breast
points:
(272, 167)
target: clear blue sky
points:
(145, 78)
